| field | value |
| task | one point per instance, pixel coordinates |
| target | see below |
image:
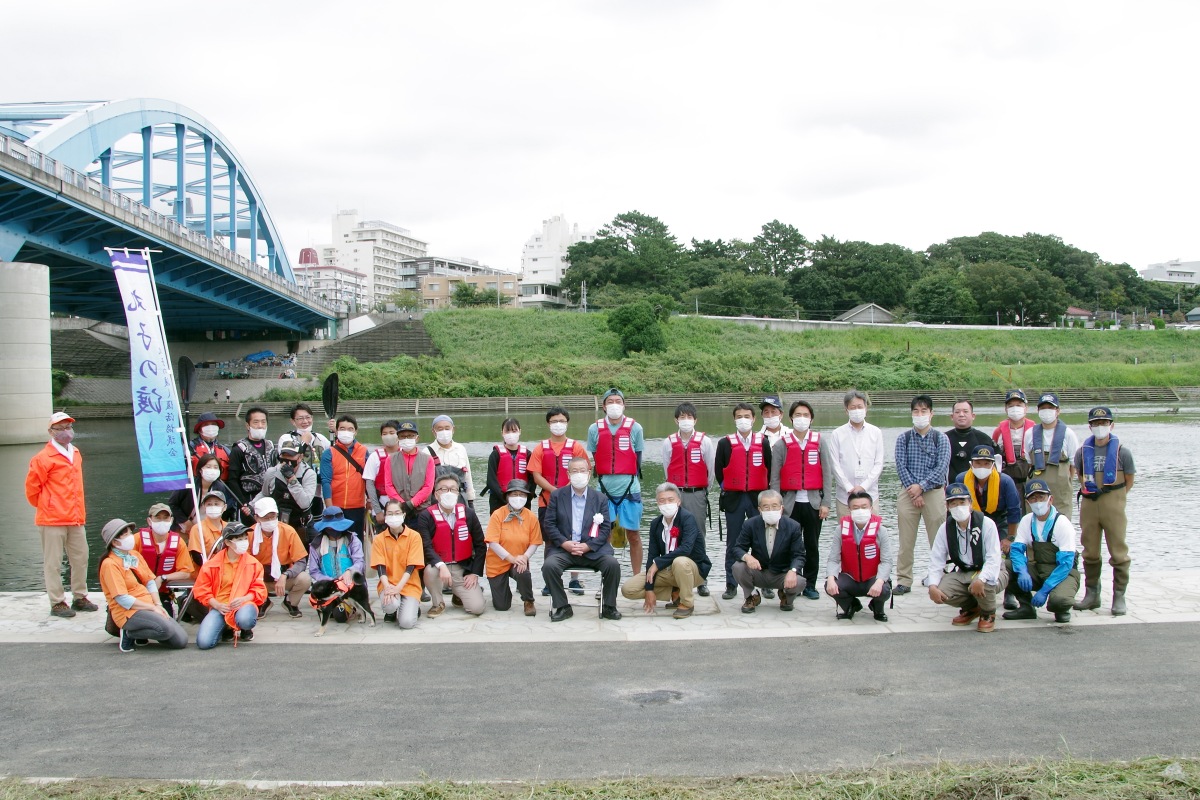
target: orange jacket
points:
(247, 580)
(54, 486)
(341, 484)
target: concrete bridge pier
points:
(26, 393)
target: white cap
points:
(264, 506)
(60, 416)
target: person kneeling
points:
(964, 562)
(769, 553)
(1043, 558)
(333, 556)
(513, 536)
(231, 585)
(454, 548)
(860, 560)
(675, 558)
(132, 593)
(396, 553)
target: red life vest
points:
(559, 477)
(203, 448)
(746, 471)
(160, 563)
(801, 468)
(687, 469)
(509, 468)
(861, 561)
(452, 545)
(1002, 437)
(384, 487)
(615, 454)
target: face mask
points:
(743, 425)
(1040, 509)
(1047, 416)
(125, 543)
(668, 509)
(687, 425)
(210, 475)
(772, 423)
(580, 479)
(394, 521)
(408, 444)
(258, 434)
(921, 421)
(981, 472)
(447, 500)
(860, 516)
(390, 439)
(345, 437)
(160, 526)
(1016, 413)
(240, 546)
(64, 437)
(512, 438)
(801, 424)
(444, 437)
(1101, 431)
(960, 512)
(558, 428)
(772, 517)
(214, 512)
(857, 415)
(210, 431)
(268, 525)
(306, 430)
(518, 502)
(614, 410)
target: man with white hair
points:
(676, 563)
(277, 546)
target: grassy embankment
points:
(1059, 780)
(491, 353)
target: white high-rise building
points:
(544, 259)
(373, 248)
(1174, 271)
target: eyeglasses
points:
(302, 419)
(66, 427)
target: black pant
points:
(502, 591)
(810, 521)
(848, 589)
(559, 561)
(739, 506)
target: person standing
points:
(250, 459)
(742, 468)
(689, 458)
(1009, 439)
(801, 471)
(207, 428)
(964, 438)
(773, 428)
(312, 444)
(509, 461)
(342, 468)
(292, 483)
(451, 455)
(513, 536)
(922, 459)
(860, 561)
(1106, 472)
(616, 443)
(548, 470)
(54, 487)
(856, 453)
(1043, 557)
(1052, 446)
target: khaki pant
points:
(472, 599)
(907, 518)
(683, 574)
(956, 587)
(1104, 515)
(72, 539)
(1058, 476)
(294, 588)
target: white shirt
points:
(1063, 536)
(857, 456)
(68, 451)
(774, 436)
(940, 552)
(1070, 444)
(371, 468)
(454, 456)
(708, 451)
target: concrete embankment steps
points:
(379, 344)
(79, 352)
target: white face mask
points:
(125, 543)
(1040, 509)
(687, 425)
(743, 425)
(268, 525)
(345, 437)
(447, 500)
(1101, 431)
(772, 517)
(1048, 415)
(981, 472)
(1016, 413)
(668, 510)
(240, 546)
(257, 434)
(210, 475)
(305, 430)
(921, 421)
(772, 423)
(614, 410)
(960, 512)
(390, 439)
(558, 428)
(214, 512)
(512, 438)
(444, 437)
(580, 479)
(408, 444)
(210, 431)
(160, 526)
(517, 502)
(801, 424)
(860, 516)
(857, 415)
(394, 521)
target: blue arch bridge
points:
(76, 177)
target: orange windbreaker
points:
(247, 580)
(54, 486)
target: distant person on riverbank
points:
(689, 457)
(802, 473)
(455, 549)
(132, 593)
(965, 562)
(398, 556)
(250, 458)
(576, 533)
(860, 561)
(1051, 447)
(228, 396)
(742, 468)
(616, 443)
(922, 458)
(207, 428)
(231, 585)
(312, 443)
(963, 438)
(277, 546)
(676, 561)
(548, 470)
(1106, 472)
(507, 462)
(773, 428)
(1009, 439)
(162, 546)
(292, 484)
(208, 479)
(1043, 558)
(451, 455)
(343, 468)
(513, 536)
(54, 486)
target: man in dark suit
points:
(576, 531)
(676, 563)
(769, 553)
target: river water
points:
(1162, 506)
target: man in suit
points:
(676, 562)
(769, 553)
(576, 532)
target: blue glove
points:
(1024, 581)
(1039, 599)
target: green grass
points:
(1042, 780)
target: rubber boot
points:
(1118, 603)
(1010, 601)
(1091, 598)
(1023, 611)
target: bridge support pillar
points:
(26, 394)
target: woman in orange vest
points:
(231, 585)
(132, 594)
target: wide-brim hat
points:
(517, 485)
(112, 528)
(332, 517)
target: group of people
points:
(275, 517)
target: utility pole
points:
(583, 295)
(697, 305)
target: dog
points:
(326, 596)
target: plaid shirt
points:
(922, 459)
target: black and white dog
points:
(326, 596)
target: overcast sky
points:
(470, 122)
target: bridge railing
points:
(107, 194)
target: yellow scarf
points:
(993, 492)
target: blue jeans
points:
(213, 624)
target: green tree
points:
(941, 296)
(638, 327)
(406, 298)
(778, 250)
(1018, 296)
(844, 274)
(635, 250)
(735, 294)
(466, 294)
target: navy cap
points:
(408, 426)
(1014, 394)
(958, 491)
(1100, 412)
(614, 392)
(208, 418)
(1037, 485)
(982, 451)
(1048, 398)
(771, 401)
